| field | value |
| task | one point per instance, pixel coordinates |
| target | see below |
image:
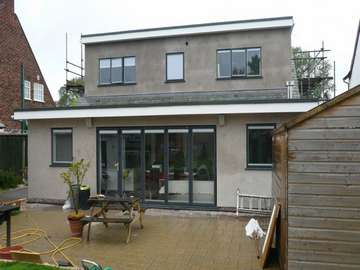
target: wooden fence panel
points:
(13, 153)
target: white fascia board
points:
(166, 110)
(193, 30)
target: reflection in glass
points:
(253, 62)
(175, 66)
(131, 162)
(238, 62)
(109, 162)
(129, 69)
(223, 63)
(203, 163)
(178, 183)
(154, 165)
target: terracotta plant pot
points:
(76, 227)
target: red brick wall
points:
(14, 51)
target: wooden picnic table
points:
(128, 209)
(5, 215)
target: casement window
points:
(259, 145)
(174, 67)
(121, 70)
(27, 90)
(238, 63)
(38, 92)
(62, 152)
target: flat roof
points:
(136, 111)
(193, 29)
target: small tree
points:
(316, 70)
(70, 93)
(75, 176)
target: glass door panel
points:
(178, 182)
(108, 162)
(154, 165)
(131, 162)
(203, 165)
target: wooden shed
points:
(316, 180)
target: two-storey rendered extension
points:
(180, 116)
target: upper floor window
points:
(175, 67)
(237, 63)
(117, 70)
(259, 145)
(39, 92)
(27, 90)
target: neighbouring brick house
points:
(14, 51)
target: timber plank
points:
(330, 212)
(330, 156)
(325, 145)
(324, 234)
(326, 178)
(325, 189)
(324, 257)
(338, 122)
(324, 167)
(342, 111)
(325, 223)
(324, 134)
(304, 265)
(323, 200)
(324, 245)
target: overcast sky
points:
(45, 23)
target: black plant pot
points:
(84, 195)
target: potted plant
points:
(73, 178)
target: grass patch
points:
(24, 266)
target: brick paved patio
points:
(167, 241)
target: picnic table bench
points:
(5, 215)
(128, 208)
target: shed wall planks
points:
(322, 188)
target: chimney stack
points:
(7, 11)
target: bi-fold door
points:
(171, 165)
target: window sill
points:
(29, 99)
(60, 165)
(115, 84)
(175, 81)
(239, 78)
(254, 168)
(36, 100)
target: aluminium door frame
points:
(189, 146)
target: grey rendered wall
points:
(45, 183)
(324, 190)
(200, 62)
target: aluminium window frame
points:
(123, 71)
(257, 166)
(167, 80)
(55, 163)
(245, 76)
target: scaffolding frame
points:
(311, 82)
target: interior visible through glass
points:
(203, 165)
(131, 162)
(178, 183)
(154, 165)
(109, 162)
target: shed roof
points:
(324, 106)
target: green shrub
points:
(9, 179)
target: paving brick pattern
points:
(166, 242)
